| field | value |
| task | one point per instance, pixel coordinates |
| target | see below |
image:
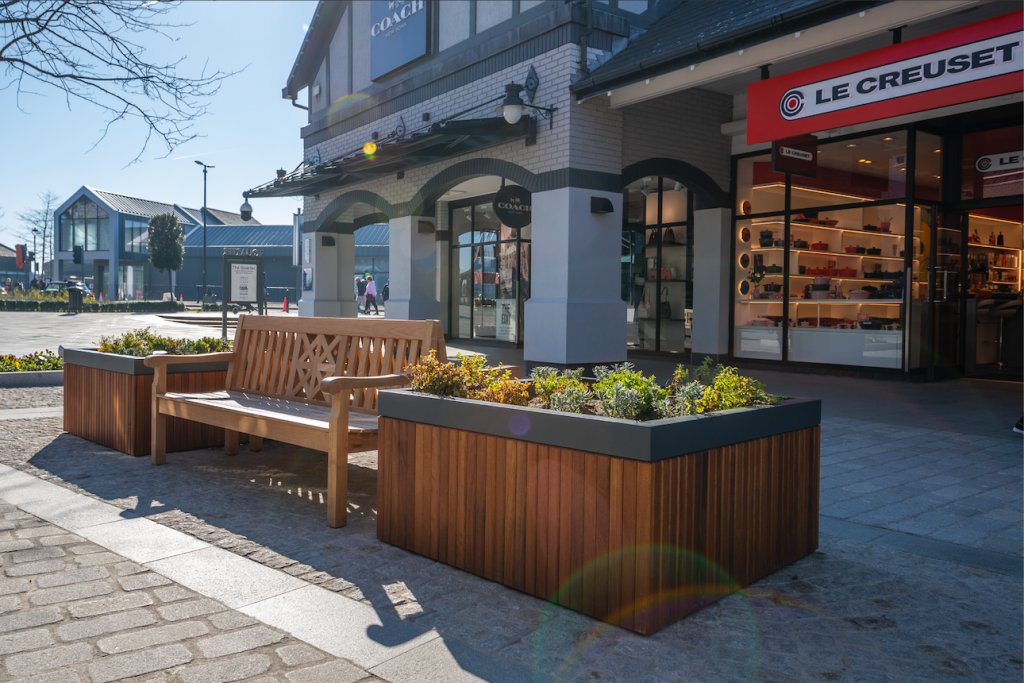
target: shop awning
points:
(442, 140)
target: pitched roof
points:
(147, 208)
(247, 235)
(695, 32)
(375, 234)
(7, 252)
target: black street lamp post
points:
(205, 166)
(35, 231)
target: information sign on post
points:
(243, 281)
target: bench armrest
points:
(161, 360)
(339, 385)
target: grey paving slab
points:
(30, 413)
(18, 488)
(74, 513)
(141, 540)
(450, 661)
(339, 625)
(224, 576)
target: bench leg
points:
(230, 442)
(255, 443)
(337, 475)
(158, 436)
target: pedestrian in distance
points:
(360, 293)
(371, 296)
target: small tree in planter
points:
(166, 245)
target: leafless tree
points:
(87, 49)
(41, 219)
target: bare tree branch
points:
(86, 49)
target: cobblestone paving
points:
(32, 397)
(850, 612)
(70, 611)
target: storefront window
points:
(846, 247)
(84, 225)
(992, 164)
(490, 274)
(131, 282)
(657, 265)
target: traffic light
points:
(31, 257)
(19, 256)
(78, 255)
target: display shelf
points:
(780, 188)
(1001, 282)
(793, 328)
(837, 278)
(991, 246)
(832, 253)
(834, 302)
(816, 226)
(1000, 268)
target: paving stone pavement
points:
(853, 611)
(72, 611)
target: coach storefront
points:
(901, 249)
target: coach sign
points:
(399, 34)
(973, 62)
(513, 206)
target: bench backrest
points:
(288, 357)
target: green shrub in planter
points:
(142, 343)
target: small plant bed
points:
(108, 390)
(616, 496)
(43, 360)
(142, 343)
(617, 391)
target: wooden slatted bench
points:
(310, 382)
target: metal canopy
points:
(441, 140)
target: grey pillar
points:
(412, 270)
(331, 257)
(712, 291)
(576, 313)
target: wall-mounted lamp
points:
(678, 187)
(513, 107)
(601, 205)
(644, 190)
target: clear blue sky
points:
(250, 130)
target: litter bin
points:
(75, 296)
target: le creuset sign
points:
(999, 162)
(513, 206)
(797, 156)
(399, 34)
(964, 64)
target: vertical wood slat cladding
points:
(114, 409)
(639, 544)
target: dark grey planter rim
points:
(131, 365)
(645, 441)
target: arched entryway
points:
(659, 199)
(489, 265)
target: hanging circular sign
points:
(512, 206)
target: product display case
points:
(846, 286)
(993, 255)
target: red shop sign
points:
(960, 65)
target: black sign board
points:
(243, 276)
(399, 34)
(797, 155)
(513, 206)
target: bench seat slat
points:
(275, 409)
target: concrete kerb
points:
(334, 623)
(32, 378)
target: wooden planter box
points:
(637, 524)
(107, 400)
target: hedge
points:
(106, 307)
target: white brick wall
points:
(685, 126)
(588, 136)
